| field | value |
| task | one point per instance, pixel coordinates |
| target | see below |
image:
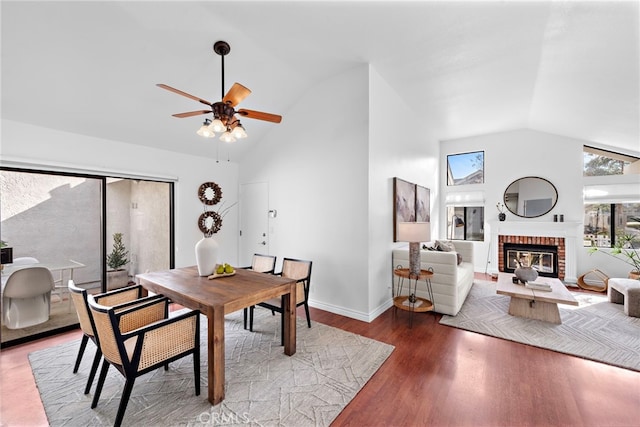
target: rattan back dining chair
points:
(294, 269)
(111, 298)
(153, 340)
(262, 264)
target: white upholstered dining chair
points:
(26, 297)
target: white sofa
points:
(451, 282)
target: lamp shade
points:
(414, 231)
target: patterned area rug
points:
(263, 386)
(596, 329)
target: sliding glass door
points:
(67, 223)
(138, 228)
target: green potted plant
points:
(624, 249)
(117, 276)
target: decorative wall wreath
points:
(209, 193)
(209, 223)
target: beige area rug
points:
(596, 329)
(263, 385)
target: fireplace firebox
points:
(542, 258)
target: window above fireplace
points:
(599, 162)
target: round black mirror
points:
(530, 197)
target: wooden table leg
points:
(215, 345)
(290, 321)
(538, 310)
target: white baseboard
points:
(358, 315)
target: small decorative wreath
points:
(209, 193)
(210, 222)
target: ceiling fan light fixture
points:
(238, 132)
(227, 137)
(217, 126)
(205, 129)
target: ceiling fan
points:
(225, 118)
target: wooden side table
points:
(411, 302)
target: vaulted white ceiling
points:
(472, 67)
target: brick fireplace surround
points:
(534, 240)
(564, 235)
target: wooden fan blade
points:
(191, 113)
(259, 115)
(179, 92)
(236, 94)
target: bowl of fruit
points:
(222, 270)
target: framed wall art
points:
(404, 203)
(423, 206)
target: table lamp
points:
(414, 233)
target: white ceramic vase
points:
(206, 255)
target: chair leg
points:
(94, 369)
(306, 310)
(83, 345)
(251, 317)
(196, 369)
(124, 401)
(101, 378)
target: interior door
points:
(254, 221)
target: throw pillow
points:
(445, 246)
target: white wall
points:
(413, 158)
(330, 178)
(315, 164)
(519, 153)
(42, 146)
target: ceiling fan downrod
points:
(222, 48)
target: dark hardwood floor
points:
(436, 376)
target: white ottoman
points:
(627, 292)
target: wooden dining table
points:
(220, 296)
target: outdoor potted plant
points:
(625, 250)
(117, 276)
